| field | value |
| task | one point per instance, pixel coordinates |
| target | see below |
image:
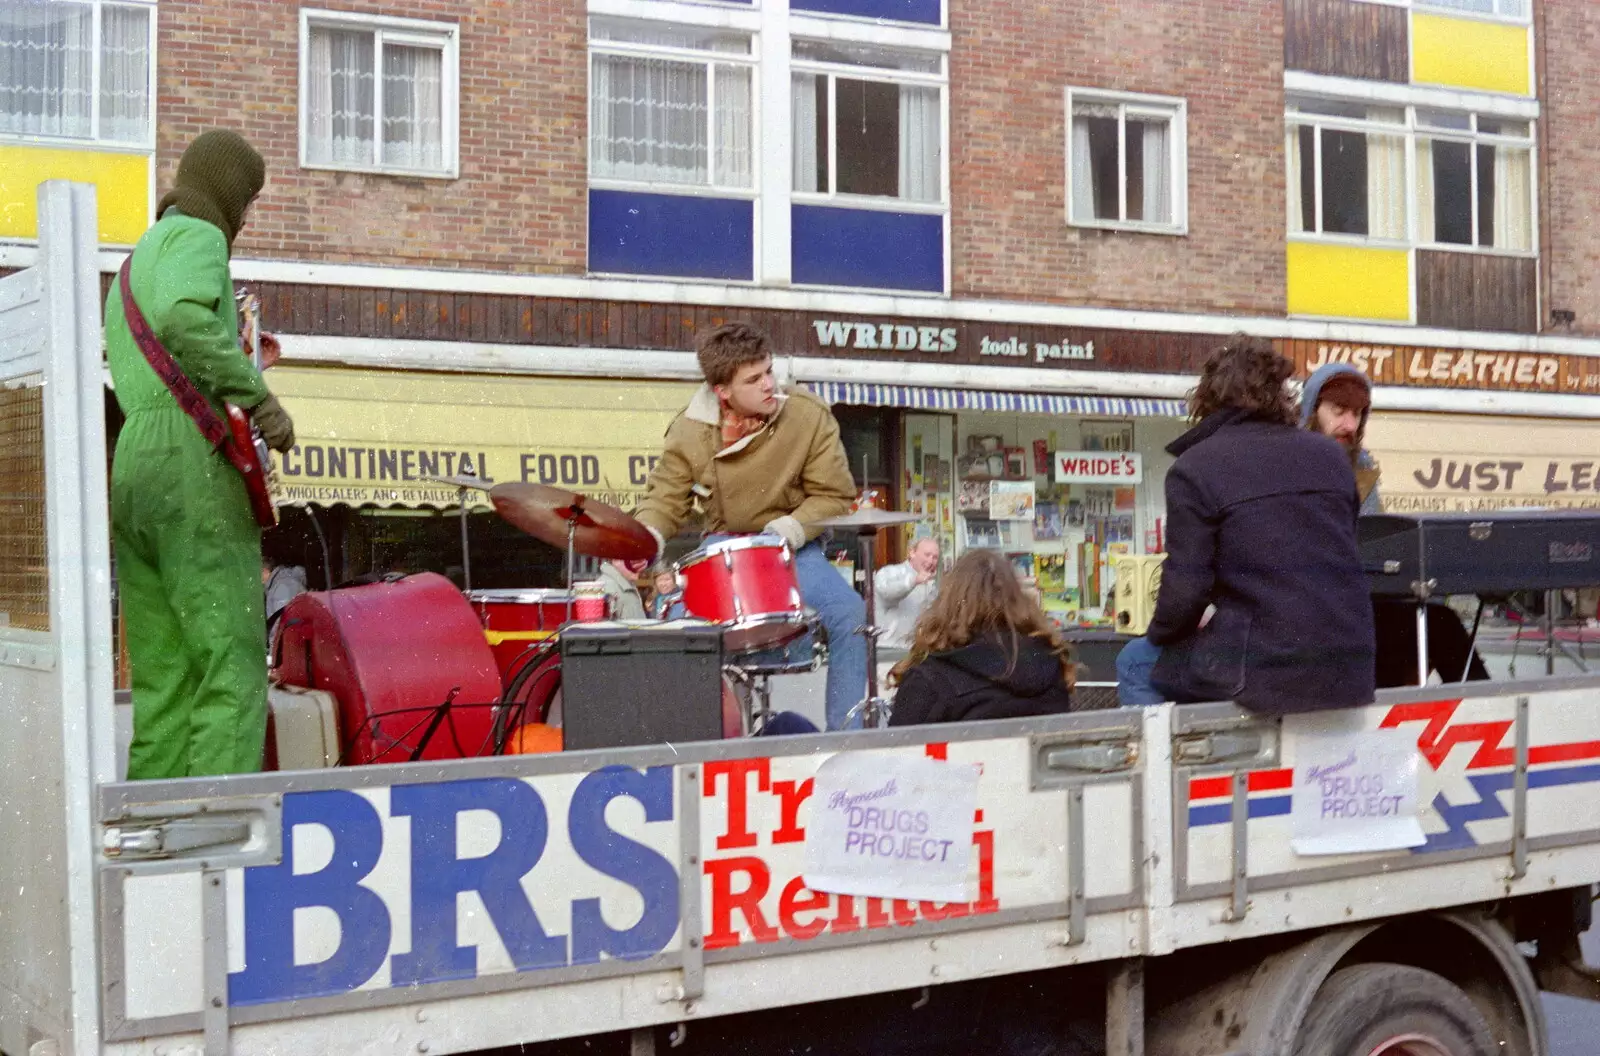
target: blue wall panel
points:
(925, 11)
(867, 248)
(678, 235)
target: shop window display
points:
(1062, 497)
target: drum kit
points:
(746, 584)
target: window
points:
(377, 94)
(1347, 170)
(1474, 181)
(1126, 162)
(670, 105)
(66, 74)
(1517, 9)
(868, 122)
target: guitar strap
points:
(194, 405)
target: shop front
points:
(1062, 485)
(1045, 440)
(1457, 462)
(1475, 429)
(376, 448)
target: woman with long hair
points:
(982, 650)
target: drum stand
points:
(756, 682)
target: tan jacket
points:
(794, 467)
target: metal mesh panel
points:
(24, 573)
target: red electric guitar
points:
(251, 457)
(237, 439)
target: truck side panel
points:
(660, 883)
(33, 869)
(55, 634)
(1489, 833)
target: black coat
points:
(978, 682)
(1262, 524)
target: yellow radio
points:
(1138, 583)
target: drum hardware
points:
(461, 484)
(867, 521)
(755, 678)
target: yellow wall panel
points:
(1469, 53)
(122, 183)
(1352, 282)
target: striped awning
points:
(916, 397)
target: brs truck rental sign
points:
(419, 884)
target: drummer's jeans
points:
(843, 613)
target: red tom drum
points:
(513, 620)
(748, 585)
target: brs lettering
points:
(275, 896)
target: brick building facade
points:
(1008, 129)
(1570, 93)
(965, 223)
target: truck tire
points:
(1392, 1010)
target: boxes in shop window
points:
(1138, 583)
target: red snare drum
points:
(515, 619)
(747, 585)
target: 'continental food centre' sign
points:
(385, 438)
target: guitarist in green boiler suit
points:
(188, 548)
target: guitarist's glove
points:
(277, 429)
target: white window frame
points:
(1363, 126)
(1172, 108)
(404, 31)
(1474, 139)
(710, 60)
(1411, 131)
(94, 139)
(1433, 7)
(879, 75)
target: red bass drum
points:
(391, 654)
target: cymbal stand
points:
(466, 551)
(574, 515)
(874, 710)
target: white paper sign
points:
(1355, 792)
(1099, 467)
(890, 826)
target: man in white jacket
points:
(903, 590)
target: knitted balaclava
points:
(219, 174)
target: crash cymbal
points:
(481, 483)
(869, 518)
(544, 513)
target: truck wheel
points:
(1392, 1010)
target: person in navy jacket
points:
(1262, 600)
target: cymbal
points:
(481, 483)
(544, 512)
(869, 518)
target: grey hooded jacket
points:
(1309, 396)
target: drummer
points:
(760, 461)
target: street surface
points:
(1574, 1024)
